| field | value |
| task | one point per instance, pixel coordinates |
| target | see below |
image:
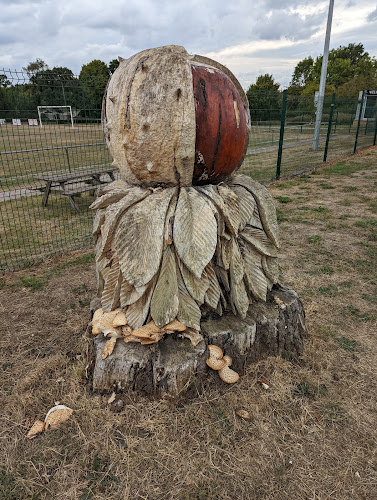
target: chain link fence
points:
(51, 164)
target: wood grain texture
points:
(149, 117)
(195, 230)
(139, 237)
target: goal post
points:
(51, 112)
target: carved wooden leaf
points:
(238, 294)
(110, 294)
(232, 212)
(137, 313)
(240, 298)
(265, 204)
(259, 240)
(212, 295)
(120, 185)
(227, 204)
(115, 193)
(114, 214)
(99, 219)
(165, 302)
(196, 287)
(255, 277)
(195, 230)
(248, 208)
(222, 277)
(236, 268)
(134, 294)
(125, 291)
(139, 237)
(188, 312)
(225, 252)
(271, 268)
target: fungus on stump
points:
(179, 237)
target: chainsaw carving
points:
(180, 235)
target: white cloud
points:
(266, 36)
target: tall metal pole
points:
(322, 83)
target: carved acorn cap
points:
(228, 375)
(153, 129)
(215, 360)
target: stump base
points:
(173, 365)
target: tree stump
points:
(174, 366)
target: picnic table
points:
(71, 184)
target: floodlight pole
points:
(322, 83)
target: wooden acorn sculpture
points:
(180, 234)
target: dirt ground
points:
(312, 435)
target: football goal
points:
(55, 114)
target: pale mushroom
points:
(95, 320)
(215, 360)
(227, 359)
(146, 331)
(109, 347)
(174, 326)
(120, 319)
(228, 375)
(105, 323)
(56, 416)
(37, 428)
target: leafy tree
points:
(4, 82)
(93, 79)
(54, 87)
(35, 66)
(302, 72)
(264, 98)
(346, 64)
(113, 65)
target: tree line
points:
(350, 69)
(42, 86)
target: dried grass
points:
(312, 435)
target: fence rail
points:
(280, 145)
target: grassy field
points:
(312, 435)
(17, 168)
(29, 232)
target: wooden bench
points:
(72, 184)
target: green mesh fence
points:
(28, 151)
(298, 154)
(75, 158)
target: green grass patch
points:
(330, 290)
(349, 189)
(284, 199)
(324, 185)
(33, 283)
(320, 209)
(315, 239)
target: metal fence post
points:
(281, 139)
(69, 164)
(329, 127)
(336, 122)
(358, 121)
(375, 130)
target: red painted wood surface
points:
(221, 133)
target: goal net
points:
(55, 115)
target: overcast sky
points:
(249, 37)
